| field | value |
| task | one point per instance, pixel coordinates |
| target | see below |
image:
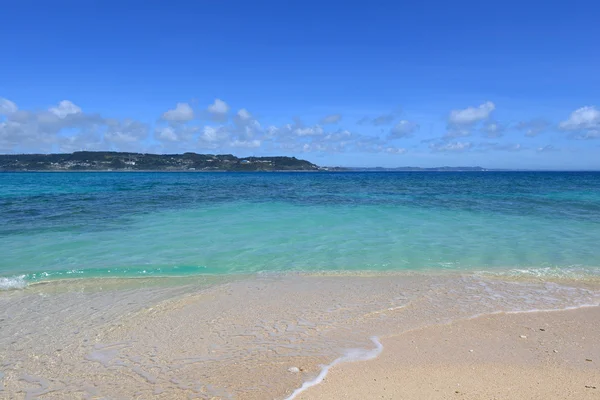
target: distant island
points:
(119, 161)
(417, 169)
(122, 161)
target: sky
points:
(381, 83)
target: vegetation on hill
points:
(117, 161)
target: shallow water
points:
(64, 225)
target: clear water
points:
(62, 225)
(234, 315)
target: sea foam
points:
(15, 282)
(350, 356)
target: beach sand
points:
(262, 338)
(538, 355)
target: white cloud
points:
(126, 133)
(64, 109)
(501, 146)
(272, 130)
(218, 110)
(591, 134)
(212, 134)
(244, 131)
(585, 120)
(248, 144)
(376, 146)
(394, 150)
(369, 144)
(246, 126)
(166, 133)
(471, 115)
(339, 135)
(12, 135)
(293, 131)
(87, 140)
(182, 112)
(462, 121)
(250, 130)
(314, 147)
(244, 115)
(296, 137)
(451, 147)
(331, 119)
(66, 126)
(582, 118)
(546, 149)
(403, 129)
(44, 130)
(176, 137)
(214, 137)
(7, 107)
(307, 131)
(493, 129)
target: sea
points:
(89, 225)
(180, 284)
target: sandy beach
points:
(299, 200)
(262, 338)
(541, 355)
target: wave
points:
(22, 281)
(17, 282)
(577, 272)
(350, 356)
(353, 355)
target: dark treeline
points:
(109, 160)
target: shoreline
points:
(483, 357)
(22, 280)
(255, 338)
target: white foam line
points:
(364, 355)
(350, 356)
(531, 311)
(15, 282)
(568, 308)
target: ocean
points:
(89, 225)
(171, 285)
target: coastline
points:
(161, 170)
(537, 355)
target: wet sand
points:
(540, 355)
(262, 337)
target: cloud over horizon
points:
(584, 123)
(181, 113)
(66, 127)
(462, 121)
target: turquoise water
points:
(62, 225)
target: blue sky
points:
(381, 83)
